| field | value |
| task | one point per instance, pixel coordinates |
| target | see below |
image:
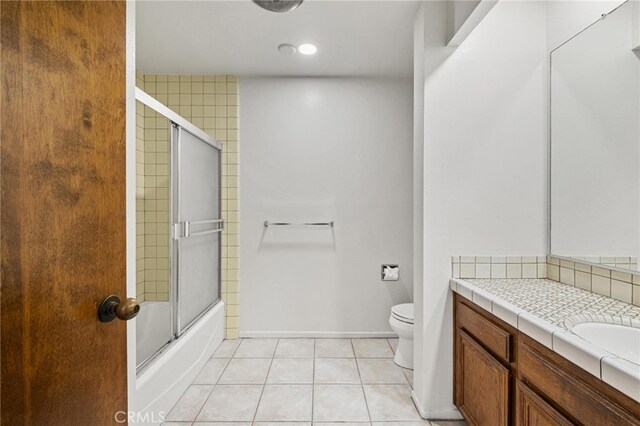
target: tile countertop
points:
(543, 309)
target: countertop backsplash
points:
(623, 286)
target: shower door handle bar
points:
(202, 222)
(268, 224)
(195, 234)
(186, 227)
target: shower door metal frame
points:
(177, 122)
(173, 117)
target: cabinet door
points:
(531, 410)
(481, 384)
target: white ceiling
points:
(364, 38)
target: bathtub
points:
(164, 380)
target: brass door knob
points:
(112, 307)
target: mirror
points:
(595, 142)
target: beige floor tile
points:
(380, 371)
(341, 423)
(285, 403)
(334, 348)
(246, 371)
(190, 403)
(226, 349)
(231, 403)
(448, 423)
(256, 348)
(336, 403)
(291, 371)
(418, 423)
(211, 371)
(372, 348)
(295, 348)
(390, 403)
(336, 371)
(176, 424)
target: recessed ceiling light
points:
(287, 49)
(307, 49)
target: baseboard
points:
(450, 414)
(317, 334)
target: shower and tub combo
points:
(179, 234)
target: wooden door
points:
(532, 410)
(481, 384)
(62, 221)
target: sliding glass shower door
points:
(197, 225)
(178, 226)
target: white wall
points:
(595, 193)
(316, 149)
(485, 165)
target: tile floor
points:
(324, 381)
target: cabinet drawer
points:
(577, 399)
(532, 410)
(481, 384)
(493, 337)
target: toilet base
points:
(404, 353)
(404, 350)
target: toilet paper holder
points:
(389, 272)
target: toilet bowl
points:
(401, 322)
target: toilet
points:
(401, 321)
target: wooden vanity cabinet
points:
(504, 377)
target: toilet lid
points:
(403, 311)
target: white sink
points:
(620, 340)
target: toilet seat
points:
(402, 320)
(403, 312)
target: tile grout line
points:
(226, 365)
(179, 399)
(265, 381)
(217, 380)
(364, 395)
(236, 349)
(203, 404)
(391, 347)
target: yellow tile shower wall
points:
(211, 103)
(156, 206)
(152, 204)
